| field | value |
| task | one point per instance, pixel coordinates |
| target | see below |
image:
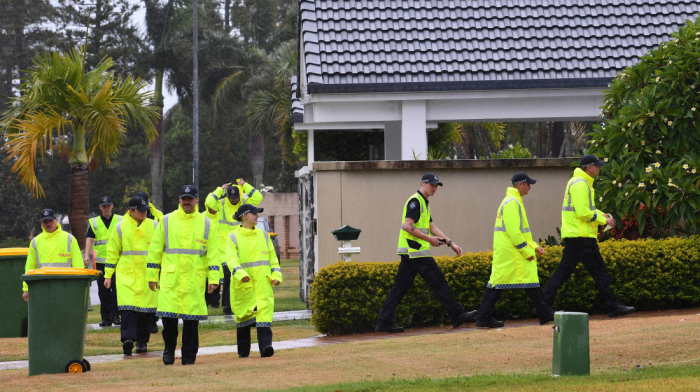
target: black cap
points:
(590, 159)
(143, 195)
(47, 214)
(138, 203)
(246, 208)
(233, 192)
(105, 200)
(189, 190)
(431, 178)
(522, 177)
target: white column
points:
(310, 148)
(414, 137)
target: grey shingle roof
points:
(297, 115)
(419, 45)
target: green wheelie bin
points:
(58, 301)
(13, 323)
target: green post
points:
(571, 352)
(13, 323)
(57, 320)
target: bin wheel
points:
(87, 365)
(76, 366)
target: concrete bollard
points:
(571, 349)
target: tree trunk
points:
(157, 159)
(557, 138)
(79, 205)
(257, 158)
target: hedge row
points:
(648, 274)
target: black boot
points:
(243, 341)
(464, 317)
(105, 323)
(169, 356)
(141, 348)
(490, 323)
(267, 352)
(385, 326)
(621, 310)
(127, 346)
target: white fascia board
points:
(438, 95)
(448, 106)
(330, 126)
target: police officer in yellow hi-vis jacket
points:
(155, 214)
(255, 268)
(223, 203)
(514, 256)
(418, 233)
(127, 253)
(184, 249)
(99, 232)
(579, 231)
(52, 248)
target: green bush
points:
(650, 134)
(648, 274)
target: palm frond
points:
(33, 137)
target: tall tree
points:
(110, 34)
(24, 31)
(60, 101)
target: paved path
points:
(277, 316)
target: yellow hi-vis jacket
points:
(157, 215)
(57, 249)
(102, 235)
(579, 217)
(184, 249)
(513, 246)
(251, 253)
(218, 202)
(127, 253)
(423, 225)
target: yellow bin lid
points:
(14, 252)
(63, 271)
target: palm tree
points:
(266, 84)
(60, 102)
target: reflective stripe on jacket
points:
(251, 253)
(102, 235)
(57, 249)
(423, 225)
(127, 252)
(512, 246)
(184, 249)
(579, 217)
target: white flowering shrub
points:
(651, 136)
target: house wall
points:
(277, 206)
(371, 195)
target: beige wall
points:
(279, 205)
(464, 209)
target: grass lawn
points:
(676, 378)
(666, 344)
